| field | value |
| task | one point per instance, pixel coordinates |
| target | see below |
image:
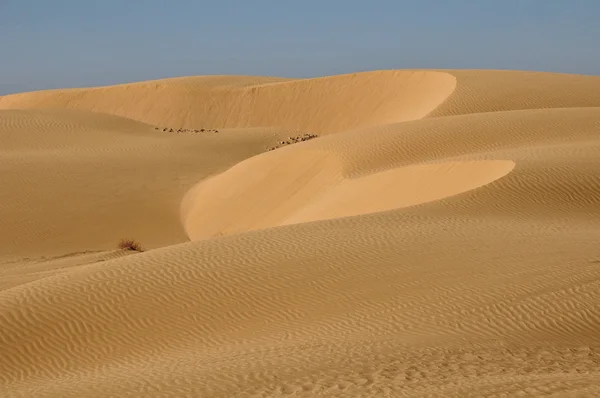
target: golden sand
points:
(440, 237)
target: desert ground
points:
(379, 234)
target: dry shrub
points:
(130, 244)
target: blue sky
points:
(73, 43)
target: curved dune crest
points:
(320, 105)
(307, 185)
(401, 187)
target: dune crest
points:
(300, 185)
(311, 105)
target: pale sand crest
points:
(441, 237)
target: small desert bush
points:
(130, 244)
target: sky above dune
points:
(73, 43)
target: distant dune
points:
(438, 236)
(237, 101)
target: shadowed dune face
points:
(323, 105)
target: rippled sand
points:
(440, 237)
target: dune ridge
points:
(310, 105)
(439, 238)
(307, 186)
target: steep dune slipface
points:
(298, 185)
(321, 105)
(396, 166)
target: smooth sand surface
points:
(441, 237)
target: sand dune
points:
(308, 105)
(265, 192)
(62, 169)
(443, 242)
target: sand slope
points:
(62, 169)
(217, 101)
(446, 246)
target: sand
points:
(439, 237)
